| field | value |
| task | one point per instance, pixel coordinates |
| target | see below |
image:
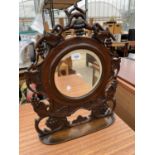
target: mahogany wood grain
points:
(125, 107)
(125, 94)
(118, 139)
(126, 86)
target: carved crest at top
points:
(52, 48)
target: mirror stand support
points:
(77, 131)
(61, 130)
(53, 108)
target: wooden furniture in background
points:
(111, 27)
(89, 59)
(89, 32)
(59, 4)
(125, 94)
(131, 44)
(117, 29)
(118, 139)
(46, 27)
(69, 33)
(127, 71)
(123, 45)
(64, 65)
(114, 28)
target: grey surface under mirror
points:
(78, 73)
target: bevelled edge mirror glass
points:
(78, 73)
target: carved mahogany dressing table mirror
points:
(69, 83)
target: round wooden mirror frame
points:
(55, 108)
(54, 57)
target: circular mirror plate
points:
(78, 73)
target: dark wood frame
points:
(100, 101)
(60, 51)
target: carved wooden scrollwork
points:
(50, 49)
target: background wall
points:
(100, 10)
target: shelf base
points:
(78, 131)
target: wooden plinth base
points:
(77, 131)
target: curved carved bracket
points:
(55, 113)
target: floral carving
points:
(56, 112)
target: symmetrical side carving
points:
(55, 113)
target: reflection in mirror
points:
(78, 73)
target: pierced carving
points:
(40, 107)
(56, 123)
(115, 66)
(49, 48)
(79, 120)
